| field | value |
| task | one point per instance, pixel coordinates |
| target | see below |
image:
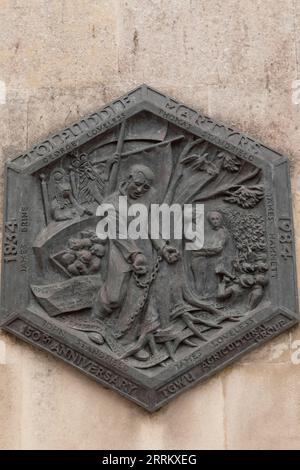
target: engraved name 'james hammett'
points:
(147, 316)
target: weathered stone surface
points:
(199, 409)
(262, 407)
(10, 407)
(58, 44)
(49, 407)
(222, 43)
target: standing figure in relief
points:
(120, 295)
(210, 259)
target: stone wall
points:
(238, 61)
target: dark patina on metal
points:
(148, 318)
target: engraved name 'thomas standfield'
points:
(146, 316)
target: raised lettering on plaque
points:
(148, 245)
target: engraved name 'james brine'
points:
(99, 264)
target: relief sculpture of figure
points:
(249, 280)
(87, 184)
(63, 204)
(209, 260)
(130, 263)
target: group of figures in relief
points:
(155, 300)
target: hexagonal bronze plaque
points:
(146, 316)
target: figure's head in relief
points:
(59, 183)
(139, 181)
(215, 219)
